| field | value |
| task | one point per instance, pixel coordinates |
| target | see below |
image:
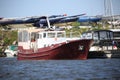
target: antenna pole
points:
(48, 22)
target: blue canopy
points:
(88, 19)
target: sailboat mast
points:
(108, 7)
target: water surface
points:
(91, 69)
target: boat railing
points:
(102, 45)
(73, 34)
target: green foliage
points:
(0, 49)
(7, 37)
(76, 31)
(6, 41)
(76, 24)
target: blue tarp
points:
(88, 19)
(13, 47)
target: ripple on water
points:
(91, 69)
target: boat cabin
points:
(103, 39)
(98, 35)
(39, 38)
(116, 33)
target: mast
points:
(48, 22)
(108, 8)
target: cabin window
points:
(111, 35)
(95, 36)
(83, 36)
(89, 36)
(44, 35)
(23, 36)
(33, 36)
(108, 35)
(39, 36)
(60, 34)
(51, 35)
(116, 35)
(20, 36)
(103, 35)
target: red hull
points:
(77, 49)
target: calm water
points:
(91, 69)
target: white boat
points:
(106, 43)
(11, 51)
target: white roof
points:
(115, 30)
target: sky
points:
(26, 8)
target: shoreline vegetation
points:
(7, 37)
